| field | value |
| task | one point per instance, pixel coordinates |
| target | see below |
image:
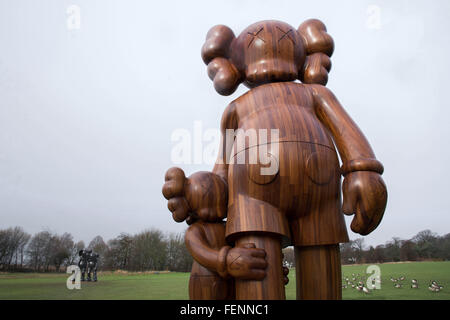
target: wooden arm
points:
(350, 141)
(198, 247)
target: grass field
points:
(175, 285)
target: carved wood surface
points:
(291, 194)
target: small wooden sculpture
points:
(298, 200)
(216, 264)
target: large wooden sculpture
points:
(291, 193)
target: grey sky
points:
(86, 115)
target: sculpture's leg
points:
(272, 286)
(95, 274)
(318, 272)
(89, 274)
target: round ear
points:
(216, 54)
(319, 47)
(315, 69)
(225, 76)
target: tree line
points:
(424, 246)
(46, 251)
(154, 250)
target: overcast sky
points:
(88, 106)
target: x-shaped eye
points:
(285, 34)
(255, 35)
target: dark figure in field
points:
(92, 266)
(82, 263)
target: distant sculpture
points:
(88, 264)
(82, 263)
(92, 266)
(277, 168)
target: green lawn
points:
(175, 285)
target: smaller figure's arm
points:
(227, 126)
(244, 263)
(198, 247)
(363, 189)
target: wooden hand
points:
(246, 263)
(365, 195)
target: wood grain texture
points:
(201, 196)
(203, 241)
(301, 201)
(291, 194)
(272, 286)
(318, 272)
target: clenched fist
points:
(365, 196)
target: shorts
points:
(300, 200)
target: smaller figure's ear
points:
(319, 47)
(216, 54)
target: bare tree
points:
(61, 250)
(119, 253)
(12, 243)
(408, 251)
(426, 244)
(289, 256)
(148, 251)
(74, 250)
(37, 250)
(178, 257)
(379, 254)
(358, 246)
(99, 246)
(5, 239)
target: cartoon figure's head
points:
(267, 51)
(205, 194)
(202, 196)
